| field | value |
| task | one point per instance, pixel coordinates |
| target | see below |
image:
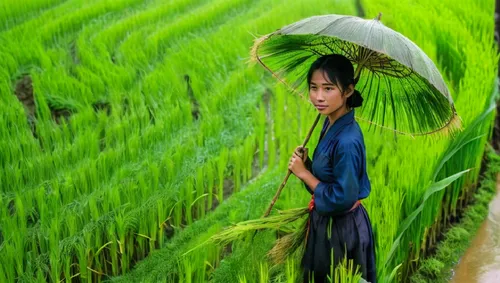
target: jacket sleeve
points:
(343, 192)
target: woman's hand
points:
(296, 164)
(301, 152)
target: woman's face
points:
(325, 95)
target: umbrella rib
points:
(352, 51)
(370, 31)
(275, 75)
(328, 46)
(384, 127)
(364, 86)
(345, 48)
(376, 97)
(391, 74)
(314, 51)
(323, 29)
(339, 46)
(392, 101)
(409, 52)
(385, 105)
(410, 108)
(392, 66)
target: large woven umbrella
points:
(401, 87)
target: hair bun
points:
(355, 100)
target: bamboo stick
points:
(278, 192)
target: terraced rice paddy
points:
(131, 131)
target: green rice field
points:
(132, 131)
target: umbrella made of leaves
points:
(401, 86)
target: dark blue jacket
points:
(339, 163)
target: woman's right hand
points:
(302, 152)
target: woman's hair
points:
(340, 72)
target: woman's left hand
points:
(296, 165)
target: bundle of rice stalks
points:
(289, 245)
(284, 246)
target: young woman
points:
(336, 176)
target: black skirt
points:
(349, 235)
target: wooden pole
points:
(278, 192)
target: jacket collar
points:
(339, 124)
